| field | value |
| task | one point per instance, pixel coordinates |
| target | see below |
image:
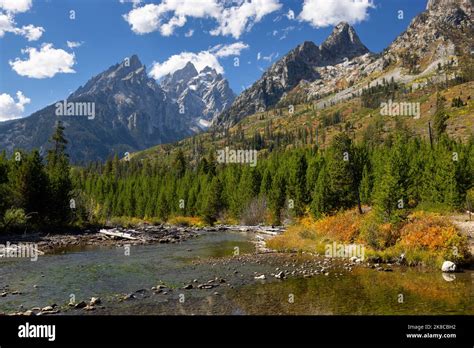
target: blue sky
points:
(37, 67)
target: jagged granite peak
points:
(180, 76)
(343, 43)
(130, 69)
(203, 94)
(300, 64)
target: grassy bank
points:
(424, 238)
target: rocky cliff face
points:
(301, 64)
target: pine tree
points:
(277, 197)
(440, 117)
(29, 184)
(180, 164)
(59, 178)
(322, 201)
(297, 183)
(365, 186)
(213, 202)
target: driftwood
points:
(257, 229)
(114, 233)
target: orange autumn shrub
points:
(433, 232)
(344, 226)
(376, 233)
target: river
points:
(227, 261)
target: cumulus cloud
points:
(189, 33)
(172, 14)
(200, 60)
(44, 63)
(31, 32)
(238, 19)
(323, 13)
(11, 109)
(15, 6)
(8, 25)
(7, 21)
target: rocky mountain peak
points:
(130, 71)
(184, 74)
(208, 69)
(439, 4)
(343, 43)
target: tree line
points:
(398, 174)
(36, 191)
(394, 174)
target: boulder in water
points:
(448, 266)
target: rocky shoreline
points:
(48, 243)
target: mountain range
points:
(134, 112)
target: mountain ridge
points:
(132, 113)
(298, 65)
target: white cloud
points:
(134, 2)
(9, 109)
(73, 44)
(238, 19)
(14, 6)
(200, 60)
(259, 55)
(286, 31)
(8, 9)
(44, 63)
(151, 17)
(270, 57)
(290, 15)
(172, 14)
(8, 25)
(323, 13)
(178, 61)
(31, 32)
(189, 33)
(234, 49)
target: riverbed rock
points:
(94, 301)
(280, 275)
(3, 294)
(80, 305)
(260, 277)
(448, 266)
(188, 287)
(205, 286)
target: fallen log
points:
(118, 234)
